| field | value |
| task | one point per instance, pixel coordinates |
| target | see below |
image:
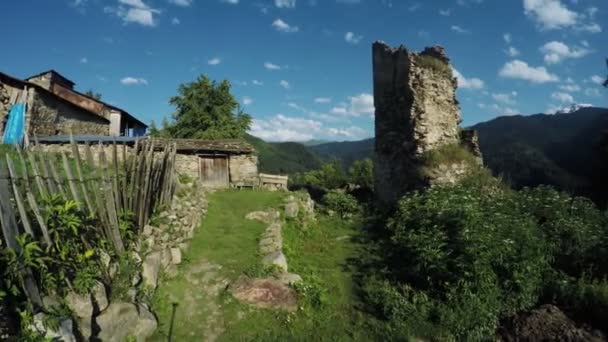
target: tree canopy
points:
(205, 109)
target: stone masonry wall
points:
(51, 116)
(416, 112)
(244, 169)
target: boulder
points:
(151, 268)
(292, 209)
(276, 259)
(265, 293)
(176, 256)
(547, 323)
(123, 320)
(100, 296)
(63, 333)
(82, 310)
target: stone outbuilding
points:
(55, 108)
(217, 163)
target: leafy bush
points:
(462, 257)
(343, 204)
(329, 176)
(361, 173)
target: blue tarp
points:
(13, 133)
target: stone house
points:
(55, 108)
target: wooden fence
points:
(103, 186)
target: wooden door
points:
(214, 171)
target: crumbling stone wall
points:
(52, 116)
(416, 112)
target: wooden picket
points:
(145, 180)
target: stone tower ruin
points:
(416, 112)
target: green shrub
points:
(329, 176)
(343, 204)
(434, 64)
(361, 173)
(462, 257)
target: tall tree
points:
(93, 94)
(206, 109)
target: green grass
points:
(321, 255)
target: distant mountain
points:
(560, 149)
(346, 152)
(314, 142)
(283, 158)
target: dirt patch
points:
(547, 323)
(265, 293)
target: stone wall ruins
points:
(416, 113)
(49, 115)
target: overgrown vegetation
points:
(332, 176)
(460, 258)
(434, 64)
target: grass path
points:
(225, 247)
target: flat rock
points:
(292, 209)
(267, 216)
(100, 296)
(277, 259)
(265, 293)
(176, 256)
(151, 268)
(123, 320)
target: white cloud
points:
(285, 3)
(512, 51)
(247, 100)
(271, 66)
(591, 28)
(352, 38)
(84, 60)
(458, 29)
(258, 83)
(596, 79)
(362, 104)
(562, 97)
(570, 87)
(134, 81)
(322, 100)
(134, 11)
(550, 14)
(175, 21)
(183, 3)
(284, 84)
(232, 2)
(445, 13)
(282, 26)
(288, 128)
(468, 83)
(556, 52)
(517, 69)
(507, 37)
(214, 61)
(285, 128)
(506, 98)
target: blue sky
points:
(302, 68)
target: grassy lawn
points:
(225, 247)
